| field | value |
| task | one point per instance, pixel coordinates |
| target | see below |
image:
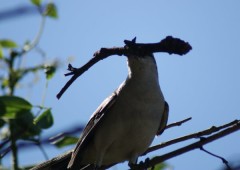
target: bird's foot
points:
(132, 166)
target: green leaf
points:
(65, 141)
(11, 105)
(23, 127)
(5, 83)
(36, 2)
(5, 43)
(160, 166)
(45, 120)
(1, 52)
(51, 11)
(49, 71)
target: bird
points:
(125, 124)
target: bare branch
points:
(60, 162)
(199, 134)
(214, 155)
(177, 123)
(169, 45)
(200, 143)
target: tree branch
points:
(60, 162)
(169, 45)
(196, 145)
(177, 123)
(199, 134)
(219, 157)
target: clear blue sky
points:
(203, 84)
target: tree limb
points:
(196, 145)
(177, 123)
(169, 45)
(199, 134)
(60, 162)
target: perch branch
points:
(169, 45)
(196, 145)
(199, 134)
(60, 162)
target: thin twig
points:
(214, 155)
(177, 123)
(208, 131)
(169, 45)
(43, 151)
(200, 143)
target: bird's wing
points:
(164, 119)
(88, 131)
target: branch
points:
(177, 123)
(196, 145)
(199, 134)
(59, 162)
(219, 157)
(169, 45)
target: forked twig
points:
(169, 45)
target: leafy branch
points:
(15, 112)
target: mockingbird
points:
(125, 124)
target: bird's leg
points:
(133, 162)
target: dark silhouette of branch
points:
(45, 141)
(199, 134)
(177, 123)
(214, 155)
(60, 162)
(17, 12)
(158, 159)
(54, 137)
(169, 45)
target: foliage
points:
(160, 166)
(19, 118)
(65, 141)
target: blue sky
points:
(203, 84)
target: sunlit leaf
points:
(49, 71)
(5, 43)
(51, 10)
(160, 166)
(36, 2)
(65, 141)
(5, 83)
(44, 120)
(11, 105)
